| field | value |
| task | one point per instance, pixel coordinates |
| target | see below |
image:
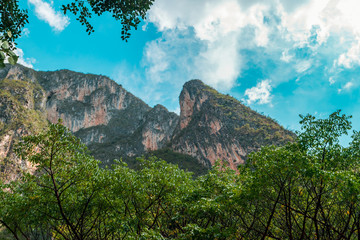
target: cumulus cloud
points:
(45, 11)
(27, 62)
(218, 64)
(260, 94)
(350, 58)
(171, 58)
(157, 59)
(210, 47)
(217, 41)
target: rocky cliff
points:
(114, 123)
(216, 126)
(22, 112)
(104, 115)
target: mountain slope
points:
(113, 123)
(22, 112)
(104, 114)
(216, 126)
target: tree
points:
(70, 197)
(307, 189)
(146, 202)
(13, 19)
(128, 12)
(63, 198)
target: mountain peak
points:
(194, 83)
(113, 123)
(191, 98)
(216, 126)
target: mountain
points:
(110, 120)
(114, 123)
(216, 126)
(22, 112)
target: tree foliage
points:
(13, 19)
(308, 189)
(128, 12)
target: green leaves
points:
(12, 21)
(6, 51)
(323, 133)
(5, 45)
(308, 188)
(128, 12)
(13, 58)
(303, 190)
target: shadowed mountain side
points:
(115, 124)
(216, 126)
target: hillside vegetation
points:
(307, 189)
(21, 113)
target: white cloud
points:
(157, 59)
(209, 49)
(211, 40)
(285, 56)
(45, 11)
(219, 64)
(331, 80)
(347, 87)
(25, 32)
(152, 92)
(350, 58)
(27, 62)
(261, 93)
(210, 19)
(302, 66)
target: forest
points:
(307, 189)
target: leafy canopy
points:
(13, 19)
(308, 189)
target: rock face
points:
(215, 126)
(113, 123)
(22, 112)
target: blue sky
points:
(280, 57)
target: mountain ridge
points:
(223, 127)
(114, 123)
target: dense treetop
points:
(307, 189)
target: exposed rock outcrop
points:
(158, 128)
(113, 123)
(110, 120)
(215, 126)
(22, 112)
(101, 112)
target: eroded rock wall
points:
(113, 123)
(95, 108)
(214, 127)
(22, 112)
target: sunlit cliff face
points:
(114, 123)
